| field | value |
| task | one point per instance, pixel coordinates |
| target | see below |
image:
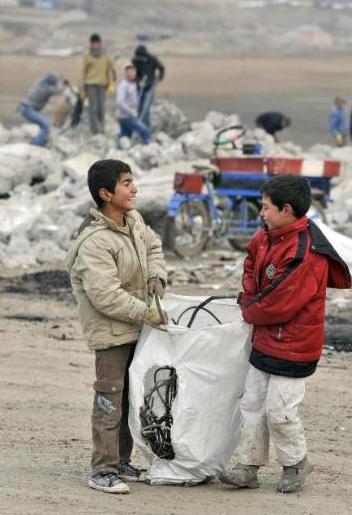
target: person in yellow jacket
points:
(113, 265)
(98, 77)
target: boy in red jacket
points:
(289, 265)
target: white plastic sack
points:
(211, 363)
(341, 243)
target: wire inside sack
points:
(157, 429)
(201, 307)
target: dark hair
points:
(289, 189)
(105, 174)
(141, 51)
(95, 38)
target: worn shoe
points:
(110, 483)
(293, 477)
(242, 476)
(128, 472)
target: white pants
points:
(269, 407)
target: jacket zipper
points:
(279, 334)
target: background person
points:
(338, 122)
(98, 76)
(36, 100)
(149, 71)
(273, 122)
(127, 107)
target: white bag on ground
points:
(211, 363)
(341, 243)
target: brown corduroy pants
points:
(112, 440)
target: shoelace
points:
(132, 468)
(111, 477)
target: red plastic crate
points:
(188, 183)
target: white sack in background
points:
(211, 363)
(341, 243)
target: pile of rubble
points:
(43, 191)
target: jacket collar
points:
(100, 219)
(288, 231)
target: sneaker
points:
(130, 473)
(110, 483)
(242, 476)
(293, 477)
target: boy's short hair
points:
(95, 38)
(289, 189)
(105, 174)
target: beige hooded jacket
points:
(109, 268)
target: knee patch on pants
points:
(104, 404)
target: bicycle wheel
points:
(191, 228)
(244, 224)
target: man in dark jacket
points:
(289, 265)
(150, 71)
(272, 122)
(36, 100)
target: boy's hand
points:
(152, 288)
(152, 317)
(243, 298)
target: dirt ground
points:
(303, 87)
(46, 394)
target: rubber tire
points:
(203, 211)
(241, 242)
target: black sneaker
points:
(130, 473)
(110, 483)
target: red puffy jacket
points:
(285, 278)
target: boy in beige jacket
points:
(113, 266)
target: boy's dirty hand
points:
(153, 317)
(152, 288)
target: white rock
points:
(78, 166)
(232, 120)
(26, 131)
(47, 251)
(167, 117)
(199, 141)
(4, 134)
(216, 119)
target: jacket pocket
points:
(283, 332)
